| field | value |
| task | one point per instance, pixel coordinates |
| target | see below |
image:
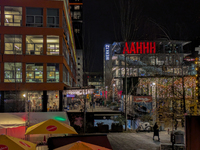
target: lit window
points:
(52, 72)
(52, 45)
(34, 44)
(76, 7)
(77, 30)
(34, 72)
(12, 72)
(13, 16)
(77, 15)
(13, 44)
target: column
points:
(60, 100)
(2, 102)
(45, 72)
(44, 101)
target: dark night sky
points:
(180, 19)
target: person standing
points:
(156, 131)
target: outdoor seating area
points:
(52, 130)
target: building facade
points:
(79, 70)
(38, 54)
(76, 9)
(153, 68)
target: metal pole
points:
(113, 93)
(84, 130)
(184, 109)
(125, 95)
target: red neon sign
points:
(140, 48)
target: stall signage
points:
(70, 95)
(145, 99)
(51, 128)
(107, 52)
(23, 143)
(3, 147)
(140, 48)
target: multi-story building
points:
(38, 54)
(76, 9)
(94, 79)
(157, 69)
(77, 21)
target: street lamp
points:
(113, 92)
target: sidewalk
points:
(137, 141)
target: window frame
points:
(34, 72)
(13, 23)
(13, 44)
(14, 72)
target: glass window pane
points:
(12, 72)
(50, 20)
(52, 72)
(34, 17)
(53, 17)
(52, 45)
(13, 16)
(34, 11)
(30, 19)
(34, 72)
(38, 19)
(34, 44)
(52, 12)
(13, 44)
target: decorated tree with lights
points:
(169, 96)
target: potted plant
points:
(118, 125)
(103, 128)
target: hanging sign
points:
(145, 99)
(107, 55)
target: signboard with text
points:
(144, 99)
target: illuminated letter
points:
(145, 48)
(132, 50)
(139, 47)
(126, 48)
(153, 47)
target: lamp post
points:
(154, 88)
(113, 92)
(106, 92)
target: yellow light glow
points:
(195, 62)
(196, 68)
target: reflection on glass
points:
(52, 72)
(13, 16)
(34, 17)
(34, 44)
(12, 72)
(52, 45)
(13, 44)
(34, 72)
(52, 17)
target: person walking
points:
(156, 131)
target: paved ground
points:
(137, 141)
